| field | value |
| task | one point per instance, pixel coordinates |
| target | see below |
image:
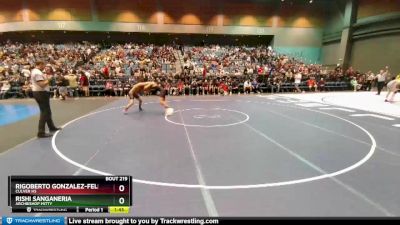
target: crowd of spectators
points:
(83, 69)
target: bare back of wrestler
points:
(145, 87)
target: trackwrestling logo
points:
(33, 220)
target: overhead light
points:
(311, 1)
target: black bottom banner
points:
(208, 220)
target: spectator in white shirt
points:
(381, 78)
(370, 80)
(26, 72)
(297, 81)
(247, 87)
(4, 89)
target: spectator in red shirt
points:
(350, 72)
(260, 70)
(223, 88)
(106, 72)
(84, 84)
(312, 85)
(180, 87)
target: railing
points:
(99, 89)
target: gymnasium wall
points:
(375, 53)
(376, 39)
(370, 8)
(10, 11)
(49, 10)
(191, 12)
(139, 11)
(330, 54)
(297, 27)
(332, 35)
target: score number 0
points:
(121, 200)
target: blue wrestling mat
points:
(10, 113)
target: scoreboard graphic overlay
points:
(75, 194)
